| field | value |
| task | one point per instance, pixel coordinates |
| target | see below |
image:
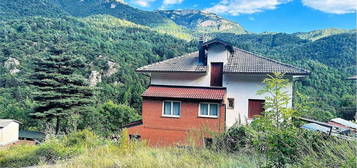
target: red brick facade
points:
(188, 129)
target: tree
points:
(276, 104)
(114, 116)
(59, 92)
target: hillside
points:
(105, 32)
(202, 22)
(318, 34)
(98, 39)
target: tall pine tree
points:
(59, 91)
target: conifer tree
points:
(59, 91)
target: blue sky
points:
(269, 15)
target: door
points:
(216, 74)
(255, 107)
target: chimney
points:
(201, 52)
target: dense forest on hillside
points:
(115, 44)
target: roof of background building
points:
(241, 61)
(344, 122)
(352, 78)
(5, 122)
(32, 135)
(185, 92)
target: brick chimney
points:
(201, 52)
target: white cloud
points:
(332, 6)
(171, 2)
(236, 7)
(143, 3)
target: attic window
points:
(231, 103)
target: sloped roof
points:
(352, 78)
(344, 122)
(185, 63)
(32, 135)
(5, 122)
(246, 62)
(185, 92)
(241, 61)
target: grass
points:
(84, 149)
(143, 156)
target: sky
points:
(269, 15)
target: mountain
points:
(202, 22)
(10, 9)
(318, 34)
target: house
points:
(9, 131)
(204, 92)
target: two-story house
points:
(211, 89)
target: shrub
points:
(235, 139)
(51, 150)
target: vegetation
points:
(263, 144)
(103, 31)
(60, 93)
(276, 136)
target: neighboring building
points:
(34, 136)
(205, 91)
(352, 78)
(9, 131)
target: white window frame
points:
(209, 110)
(171, 113)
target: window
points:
(208, 110)
(255, 107)
(231, 103)
(134, 137)
(208, 142)
(171, 109)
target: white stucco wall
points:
(241, 87)
(180, 79)
(9, 134)
(216, 53)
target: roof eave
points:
(167, 97)
(260, 73)
(150, 71)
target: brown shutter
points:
(255, 107)
(216, 74)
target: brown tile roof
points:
(241, 62)
(185, 92)
(185, 63)
(246, 62)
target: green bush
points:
(51, 150)
(235, 139)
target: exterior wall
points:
(180, 79)
(216, 53)
(9, 134)
(163, 131)
(242, 88)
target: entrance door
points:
(216, 74)
(255, 107)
